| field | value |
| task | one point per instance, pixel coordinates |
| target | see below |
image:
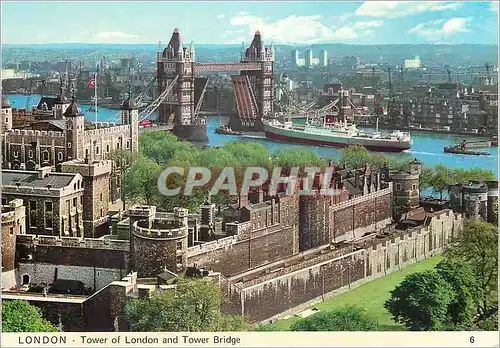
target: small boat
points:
(494, 142)
(224, 129)
(92, 109)
(459, 150)
(476, 144)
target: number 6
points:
(472, 340)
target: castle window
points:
(30, 153)
(107, 148)
(69, 145)
(179, 245)
(399, 187)
(11, 230)
(97, 150)
(414, 187)
(26, 279)
(45, 155)
(6, 120)
(81, 200)
(74, 202)
(102, 213)
(60, 156)
(179, 260)
(127, 144)
(100, 197)
(48, 215)
(15, 153)
(4, 201)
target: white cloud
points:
(113, 37)
(434, 32)
(221, 15)
(302, 29)
(396, 9)
(494, 6)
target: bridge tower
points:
(261, 81)
(177, 60)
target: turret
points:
(61, 104)
(192, 52)
(6, 114)
(130, 116)
(75, 123)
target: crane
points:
(488, 76)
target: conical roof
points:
(73, 108)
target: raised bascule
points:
(181, 92)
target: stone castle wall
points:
(96, 262)
(304, 284)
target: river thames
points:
(427, 147)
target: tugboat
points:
(461, 149)
(494, 142)
(226, 130)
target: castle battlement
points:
(365, 198)
(75, 242)
(36, 133)
(87, 169)
(92, 133)
(161, 229)
(211, 246)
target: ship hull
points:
(291, 136)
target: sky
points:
(228, 22)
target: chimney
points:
(43, 172)
(261, 194)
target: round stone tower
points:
(161, 243)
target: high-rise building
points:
(308, 58)
(323, 58)
(294, 57)
(412, 63)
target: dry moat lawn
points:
(372, 296)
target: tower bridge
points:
(181, 92)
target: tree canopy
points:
(193, 306)
(349, 318)
(20, 316)
(477, 245)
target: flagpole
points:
(95, 98)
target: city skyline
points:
(298, 23)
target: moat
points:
(427, 147)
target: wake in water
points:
(424, 153)
(253, 136)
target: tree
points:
(349, 318)
(426, 178)
(20, 316)
(140, 180)
(477, 245)
(194, 305)
(460, 276)
(354, 156)
(421, 301)
(441, 179)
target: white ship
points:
(336, 135)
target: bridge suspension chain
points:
(198, 106)
(138, 99)
(154, 105)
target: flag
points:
(91, 83)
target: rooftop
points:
(32, 179)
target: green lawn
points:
(372, 296)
